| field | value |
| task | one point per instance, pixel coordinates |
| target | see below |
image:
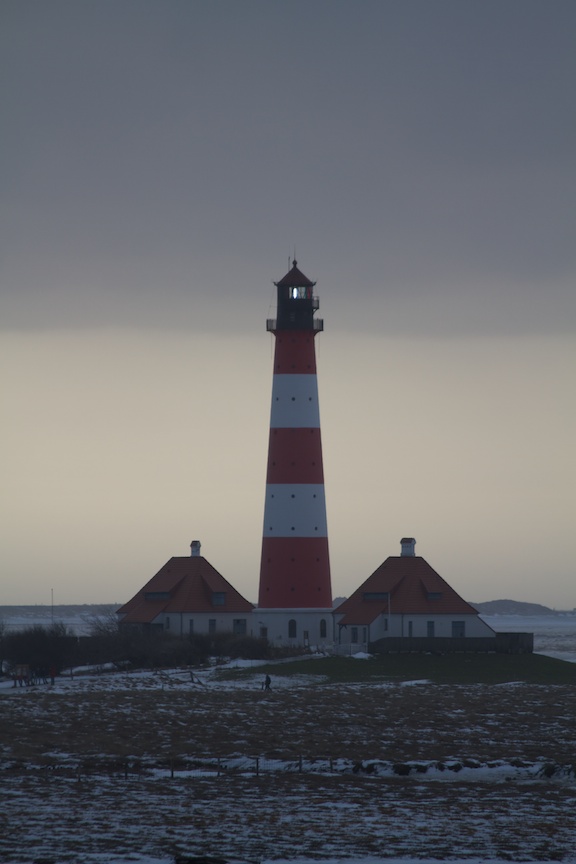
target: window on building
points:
(211, 625)
(458, 629)
(354, 634)
(167, 625)
(323, 628)
(434, 595)
(157, 595)
(191, 626)
(430, 629)
(410, 628)
(218, 598)
(385, 624)
(239, 626)
(375, 595)
(263, 632)
(292, 629)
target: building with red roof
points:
(188, 595)
(406, 597)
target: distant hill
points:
(500, 607)
(512, 607)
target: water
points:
(554, 635)
(78, 619)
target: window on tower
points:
(300, 293)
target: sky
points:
(162, 161)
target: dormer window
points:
(434, 595)
(218, 598)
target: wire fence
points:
(180, 767)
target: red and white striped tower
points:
(295, 564)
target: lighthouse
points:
(295, 596)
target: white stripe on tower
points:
(295, 402)
(297, 510)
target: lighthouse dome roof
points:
(295, 279)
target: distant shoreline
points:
(490, 607)
(48, 607)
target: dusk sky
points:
(163, 160)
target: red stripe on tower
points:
(295, 564)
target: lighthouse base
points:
(302, 628)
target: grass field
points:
(344, 758)
(439, 669)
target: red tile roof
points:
(413, 588)
(183, 585)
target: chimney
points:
(195, 548)
(407, 545)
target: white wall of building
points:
(319, 627)
(185, 623)
(418, 626)
(297, 627)
(292, 627)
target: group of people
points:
(24, 676)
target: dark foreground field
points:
(151, 766)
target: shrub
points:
(41, 648)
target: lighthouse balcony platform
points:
(317, 325)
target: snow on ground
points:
(245, 808)
(56, 809)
